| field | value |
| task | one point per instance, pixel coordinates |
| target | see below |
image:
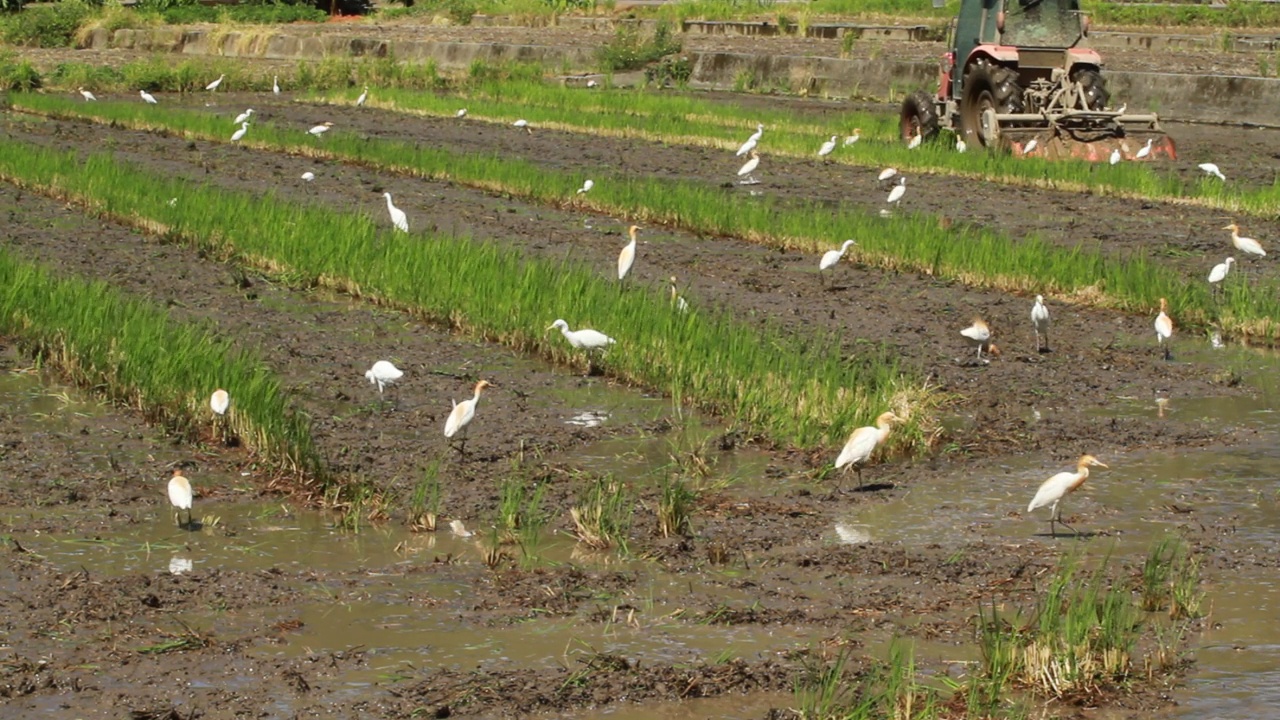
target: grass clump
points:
(425, 501)
(602, 514)
(629, 51)
(676, 502)
(887, 689)
(1170, 579)
(46, 26)
(132, 353)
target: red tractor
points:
(1015, 72)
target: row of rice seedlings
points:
(502, 94)
(134, 354)
(690, 120)
(602, 514)
(794, 390)
(911, 242)
(1170, 580)
(1079, 639)
(890, 688)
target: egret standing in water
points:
(627, 257)
(1212, 169)
(895, 195)
(827, 147)
(398, 218)
(213, 86)
(383, 373)
(148, 97)
(1164, 327)
(582, 339)
(1219, 273)
(180, 497)
(748, 168)
(979, 335)
(220, 401)
(462, 415)
(1057, 487)
(831, 257)
(676, 300)
(1040, 320)
(863, 442)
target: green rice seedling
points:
(1154, 585)
(1080, 635)
(1186, 598)
(132, 353)
(602, 514)
(425, 503)
(889, 689)
(976, 256)
(675, 507)
(798, 390)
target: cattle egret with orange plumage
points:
(1164, 327)
(863, 442)
(462, 415)
(180, 496)
(1057, 487)
(979, 335)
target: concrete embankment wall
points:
(1204, 98)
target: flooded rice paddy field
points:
(270, 607)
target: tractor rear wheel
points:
(918, 115)
(1094, 87)
(988, 90)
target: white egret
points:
(180, 496)
(915, 140)
(459, 530)
(1145, 150)
(1115, 156)
(961, 146)
(1212, 169)
(748, 168)
(1245, 245)
(320, 129)
(398, 218)
(1055, 488)
(895, 195)
(863, 442)
(979, 335)
(586, 186)
(308, 176)
(627, 257)
(88, 96)
(462, 415)
(831, 257)
(383, 373)
(462, 112)
(1031, 146)
(243, 116)
(887, 173)
(363, 96)
(220, 401)
(522, 123)
(1040, 320)
(827, 147)
(148, 97)
(582, 339)
(1164, 327)
(592, 83)
(275, 84)
(676, 300)
(244, 128)
(752, 141)
(1123, 107)
(213, 86)
(1219, 272)
(855, 137)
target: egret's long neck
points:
(476, 398)
(882, 432)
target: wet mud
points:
(83, 642)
